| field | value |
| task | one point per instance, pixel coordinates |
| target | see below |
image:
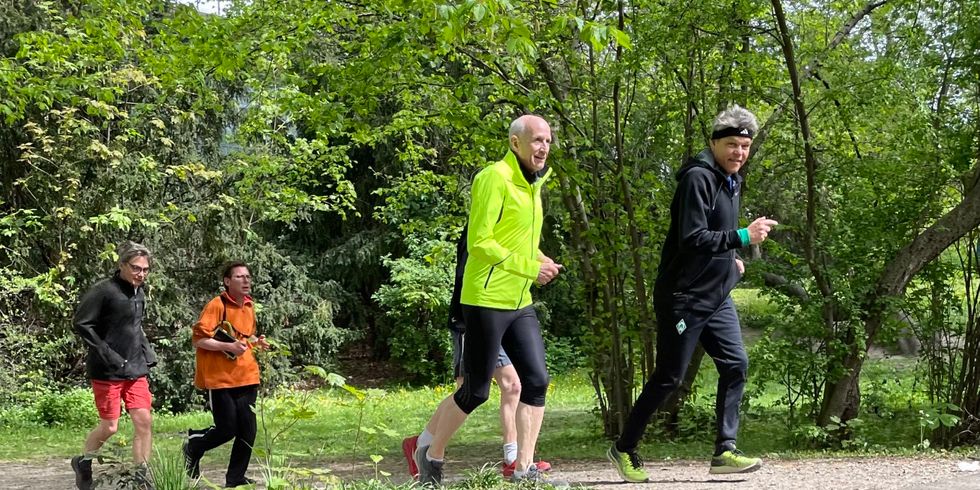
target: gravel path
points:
(819, 474)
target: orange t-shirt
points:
(214, 370)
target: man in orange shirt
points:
(227, 369)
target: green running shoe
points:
(628, 465)
(733, 461)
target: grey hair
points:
(129, 250)
(735, 117)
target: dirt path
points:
(817, 474)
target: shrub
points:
(75, 408)
(416, 303)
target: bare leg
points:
(437, 416)
(100, 434)
(450, 418)
(142, 434)
(528, 426)
(510, 396)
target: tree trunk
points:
(895, 277)
(636, 250)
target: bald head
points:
(530, 140)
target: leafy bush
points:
(416, 304)
(562, 354)
(172, 379)
(75, 408)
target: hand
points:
(740, 265)
(759, 229)
(262, 343)
(548, 271)
(236, 348)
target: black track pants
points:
(234, 418)
(721, 337)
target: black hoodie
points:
(109, 319)
(697, 265)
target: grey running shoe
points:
(83, 472)
(537, 477)
(142, 477)
(430, 472)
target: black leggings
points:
(234, 418)
(518, 331)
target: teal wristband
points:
(743, 234)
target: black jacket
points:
(109, 319)
(456, 322)
(697, 265)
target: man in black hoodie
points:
(698, 269)
(109, 319)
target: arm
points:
(203, 331)
(85, 321)
(696, 196)
(488, 200)
(236, 348)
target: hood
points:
(705, 160)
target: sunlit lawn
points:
(571, 430)
(340, 429)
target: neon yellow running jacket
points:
(503, 235)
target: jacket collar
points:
(706, 160)
(125, 286)
(517, 175)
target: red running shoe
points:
(508, 469)
(408, 449)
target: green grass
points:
(340, 431)
(571, 430)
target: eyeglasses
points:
(243, 277)
(139, 270)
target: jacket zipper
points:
(533, 219)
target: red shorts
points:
(135, 393)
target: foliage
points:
(417, 305)
(75, 409)
(331, 145)
(167, 470)
(934, 418)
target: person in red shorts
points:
(109, 318)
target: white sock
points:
(425, 438)
(510, 452)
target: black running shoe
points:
(243, 482)
(192, 463)
(83, 472)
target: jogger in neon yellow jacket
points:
(504, 232)
(504, 260)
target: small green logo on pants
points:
(681, 327)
